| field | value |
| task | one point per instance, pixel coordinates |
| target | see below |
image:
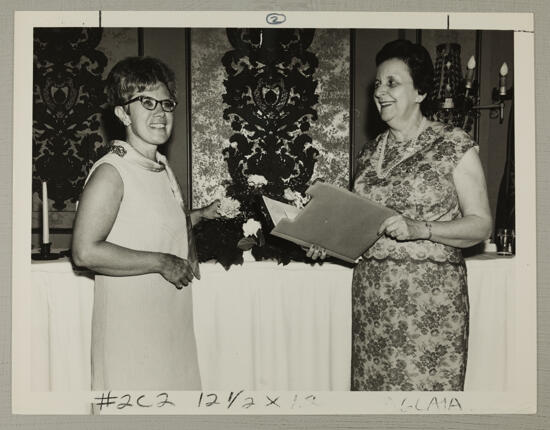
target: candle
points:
(502, 79)
(470, 71)
(45, 225)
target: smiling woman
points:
(150, 125)
(410, 298)
(132, 229)
(394, 92)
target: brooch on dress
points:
(118, 150)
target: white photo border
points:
(523, 400)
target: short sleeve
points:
(454, 143)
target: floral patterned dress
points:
(410, 298)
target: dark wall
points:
(496, 48)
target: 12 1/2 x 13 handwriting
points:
(242, 400)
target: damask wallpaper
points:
(317, 99)
(332, 129)
(209, 131)
(70, 130)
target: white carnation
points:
(251, 227)
(229, 208)
(257, 180)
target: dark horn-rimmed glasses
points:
(150, 103)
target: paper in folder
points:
(344, 223)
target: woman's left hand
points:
(316, 252)
(211, 211)
(400, 227)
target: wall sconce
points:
(499, 96)
(457, 98)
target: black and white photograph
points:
(283, 217)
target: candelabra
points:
(457, 98)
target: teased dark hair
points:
(136, 74)
(421, 68)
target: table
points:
(61, 309)
(492, 288)
(261, 326)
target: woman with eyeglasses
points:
(133, 230)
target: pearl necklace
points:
(381, 151)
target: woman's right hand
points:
(176, 270)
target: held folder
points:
(344, 223)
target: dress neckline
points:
(398, 153)
(129, 153)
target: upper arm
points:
(98, 206)
(471, 187)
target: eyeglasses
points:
(150, 103)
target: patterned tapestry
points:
(68, 101)
(270, 114)
(70, 130)
(212, 134)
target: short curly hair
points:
(420, 64)
(136, 74)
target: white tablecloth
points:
(61, 306)
(491, 289)
(267, 327)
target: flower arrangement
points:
(244, 227)
(270, 97)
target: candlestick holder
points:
(45, 253)
(497, 107)
(456, 98)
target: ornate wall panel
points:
(269, 115)
(69, 131)
(280, 102)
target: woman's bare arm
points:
(475, 225)
(96, 214)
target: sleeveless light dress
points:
(142, 328)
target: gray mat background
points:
(541, 420)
